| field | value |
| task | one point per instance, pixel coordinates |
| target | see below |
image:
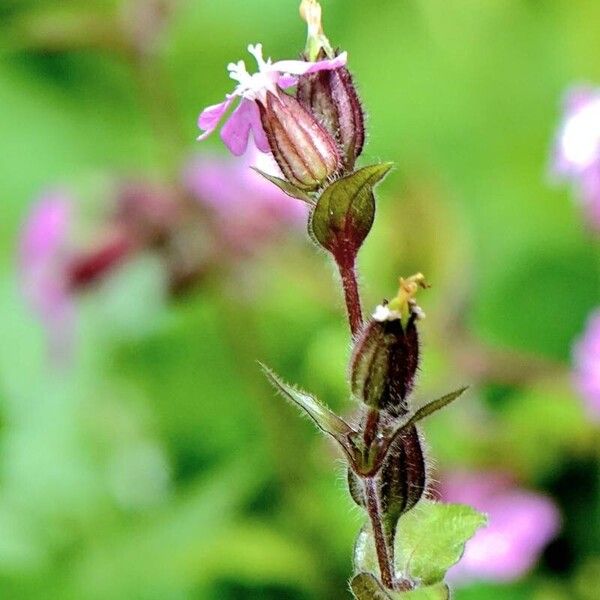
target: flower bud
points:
(386, 355)
(384, 364)
(305, 152)
(402, 479)
(332, 98)
(400, 482)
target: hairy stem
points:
(351, 294)
(385, 554)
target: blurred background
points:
(143, 274)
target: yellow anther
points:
(409, 286)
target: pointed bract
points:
(324, 418)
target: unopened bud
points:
(305, 152)
(402, 479)
(386, 355)
(384, 364)
(332, 98)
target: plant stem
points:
(351, 294)
(385, 554)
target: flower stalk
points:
(308, 115)
(385, 551)
(351, 296)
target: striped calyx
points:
(305, 152)
(384, 364)
(332, 98)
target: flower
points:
(43, 252)
(253, 90)
(247, 208)
(53, 270)
(520, 524)
(577, 149)
(586, 355)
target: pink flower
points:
(53, 271)
(44, 250)
(248, 209)
(520, 524)
(577, 149)
(253, 89)
(586, 355)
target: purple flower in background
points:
(53, 270)
(43, 255)
(520, 524)
(586, 355)
(253, 89)
(577, 150)
(248, 209)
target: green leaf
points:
(365, 586)
(429, 540)
(325, 419)
(345, 211)
(439, 591)
(285, 186)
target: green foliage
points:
(366, 587)
(438, 591)
(429, 540)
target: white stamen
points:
(418, 312)
(255, 86)
(383, 313)
(257, 51)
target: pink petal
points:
(46, 229)
(235, 133)
(43, 252)
(302, 67)
(258, 132)
(249, 210)
(577, 97)
(329, 64)
(209, 118)
(287, 81)
(520, 524)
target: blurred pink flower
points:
(520, 524)
(577, 149)
(53, 271)
(43, 255)
(271, 78)
(586, 356)
(248, 209)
